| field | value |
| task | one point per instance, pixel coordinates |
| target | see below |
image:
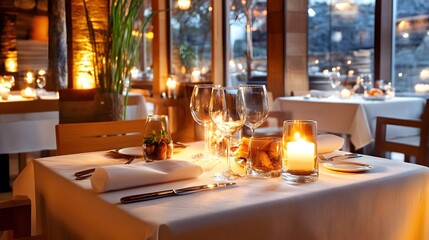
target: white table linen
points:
(388, 202)
(35, 131)
(355, 116)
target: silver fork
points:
(339, 157)
(84, 174)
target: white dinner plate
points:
(138, 151)
(345, 166)
(132, 151)
(375, 98)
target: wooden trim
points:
(39, 105)
(276, 44)
(218, 42)
(383, 45)
(69, 44)
(160, 46)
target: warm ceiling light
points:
(184, 4)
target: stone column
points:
(57, 65)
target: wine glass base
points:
(202, 157)
(227, 175)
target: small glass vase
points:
(157, 144)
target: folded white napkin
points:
(115, 177)
(328, 143)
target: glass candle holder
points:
(265, 157)
(300, 151)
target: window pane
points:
(340, 38)
(144, 63)
(191, 45)
(247, 54)
(411, 61)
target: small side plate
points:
(132, 151)
(345, 166)
(375, 98)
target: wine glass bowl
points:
(366, 82)
(335, 80)
(227, 111)
(256, 105)
(41, 81)
(199, 106)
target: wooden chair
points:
(416, 146)
(97, 136)
(15, 216)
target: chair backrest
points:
(15, 215)
(424, 136)
(425, 114)
(97, 136)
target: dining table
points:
(354, 118)
(27, 124)
(389, 200)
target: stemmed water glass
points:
(227, 111)
(41, 83)
(366, 81)
(256, 105)
(335, 80)
(199, 105)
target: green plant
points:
(116, 53)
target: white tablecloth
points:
(355, 116)
(35, 131)
(390, 202)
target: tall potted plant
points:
(114, 55)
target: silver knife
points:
(173, 192)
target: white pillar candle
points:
(171, 87)
(300, 155)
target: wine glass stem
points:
(253, 132)
(228, 149)
(206, 140)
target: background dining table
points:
(390, 201)
(355, 117)
(28, 125)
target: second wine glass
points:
(366, 82)
(199, 105)
(256, 105)
(227, 111)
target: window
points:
(143, 65)
(247, 54)
(411, 48)
(340, 38)
(191, 46)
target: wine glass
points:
(199, 105)
(335, 80)
(366, 81)
(41, 83)
(256, 105)
(227, 111)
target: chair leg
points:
(407, 158)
